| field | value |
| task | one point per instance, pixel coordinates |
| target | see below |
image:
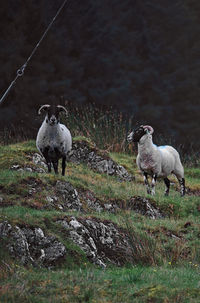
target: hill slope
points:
(94, 235)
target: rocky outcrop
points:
(82, 152)
(145, 207)
(102, 241)
(31, 245)
(92, 203)
(68, 196)
(141, 205)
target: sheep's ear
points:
(62, 109)
(43, 108)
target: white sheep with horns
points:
(156, 161)
(54, 139)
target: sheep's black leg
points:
(46, 156)
(55, 166)
(167, 183)
(153, 184)
(182, 185)
(63, 165)
(146, 182)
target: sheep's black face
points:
(136, 134)
(53, 115)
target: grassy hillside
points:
(165, 267)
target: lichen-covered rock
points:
(101, 241)
(39, 160)
(144, 206)
(82, 152)
(69, 196)
(31, 245)
(93, 203)
(28, 169)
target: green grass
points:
(170, 246)
(129, 284)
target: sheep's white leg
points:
(146, 182)
(182, 185)
(153, 184)
(167, 183)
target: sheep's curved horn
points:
(151, 130)
(62, 108)
(43, 107)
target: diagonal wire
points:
(21, 70)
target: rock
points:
(108, 206)
(15, 167)
(1, 199)
(31, 245)
(91, 201)
(28, 169)
(145, 207)
(101, 241)
(96, 204)
(69, 195)
(19, 168)
(52, 201)
(82, 152)
(39, 160)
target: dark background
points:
(142, 57)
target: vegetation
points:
(165, 269)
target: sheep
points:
(53, 140)
(156, 161)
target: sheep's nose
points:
(53, 119)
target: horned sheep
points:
(156, 161)
(54, 139)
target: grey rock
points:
(69, 195)
(32, 191)
(75, 224)
(28, 169)
(54, 252)
(31, 245)
(52, 200)
(145, 207)
(22, 169)
(15, 167)
(91, 201)
(83, 153)
(39, 160)
(95, 204)
(101, 241)
(108, 206)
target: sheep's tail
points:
(150, 128)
